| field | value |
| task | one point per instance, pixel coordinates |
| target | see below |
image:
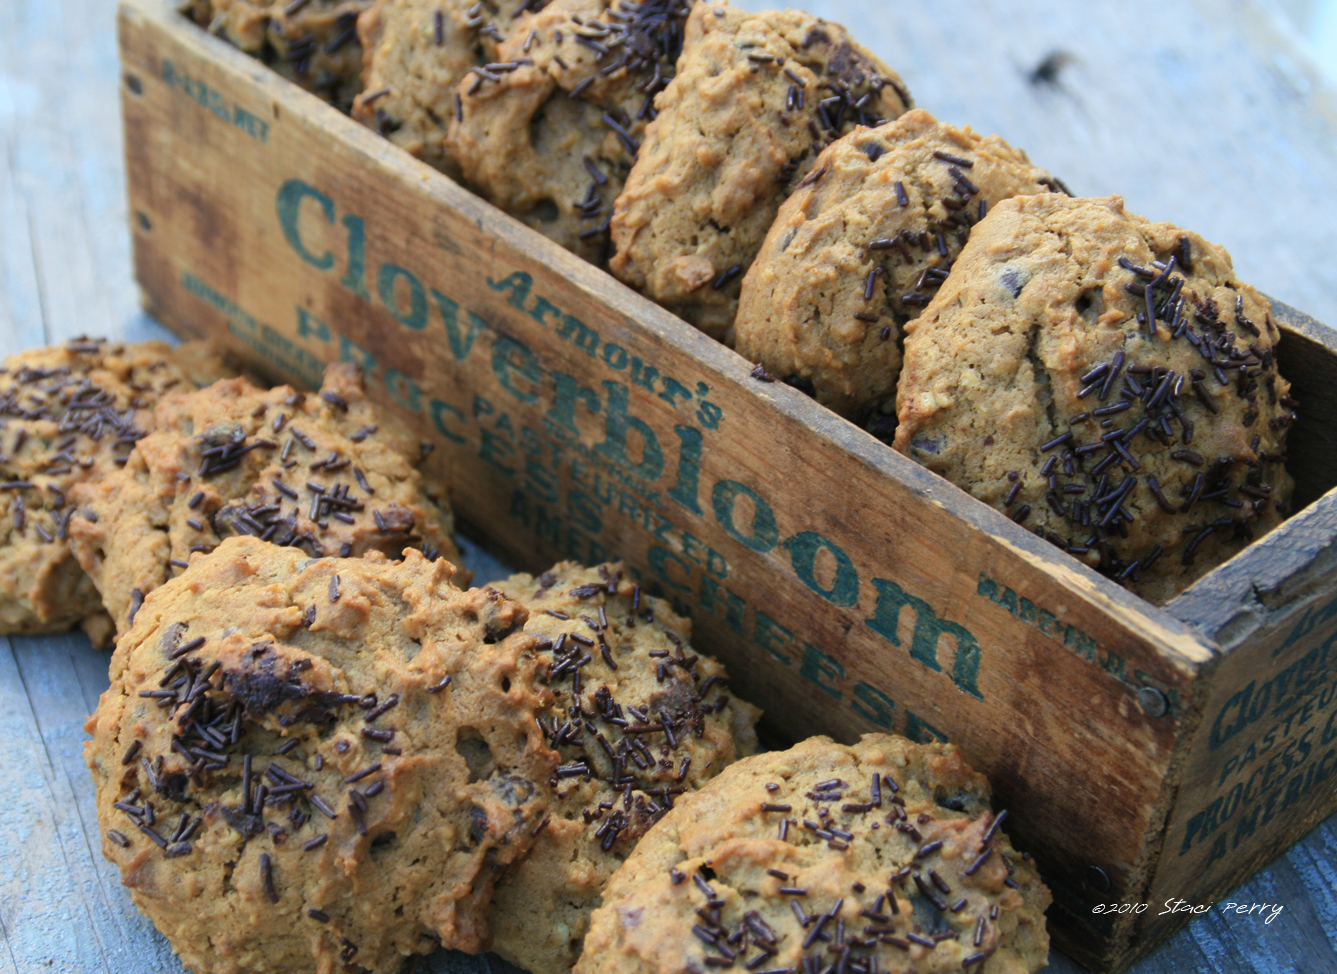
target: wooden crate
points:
(1145, 754)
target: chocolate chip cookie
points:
(639, 720)
(69, 415)
(417, 52)
(1109, 383)
(318, 764)
(311, 42)
(858, 252)
(880, 856)
(756, 97)
(327, 472)
(549, 131)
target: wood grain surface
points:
(64, 270)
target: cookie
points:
(417, 52)
(69, 415)
(205, 361)
(549, 132)
(303, 764)
(880, 856)
(858, 252)
(311, 42)
(755, 98)
(626, 655)
(329, 473)
(1109, 383)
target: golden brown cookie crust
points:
(541, 908)
(855, 254)
(328, 472)
(417, 52)
(69, 415)
(302, 763)
(550, 133)
(886, 847)
(314, 44)
(740, 124)
(1034, 361)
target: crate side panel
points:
(1307, 356)
(1262, 768)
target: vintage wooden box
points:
(1145, 754)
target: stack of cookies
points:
(335, 763)
(320, 751)
(70, 416)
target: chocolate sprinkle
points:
(267, 877)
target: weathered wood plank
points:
(1313, 444)
(20, 301)
(63, 677)
(1315, 862)
(1300, 938)
(75, 202)
(46, 878)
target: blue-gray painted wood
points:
(1198, 112)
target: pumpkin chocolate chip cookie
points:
(1109, 383)
(550, 131)
(319, 764)
(311, 42)
(878, 856)
(639, 720)
(756, 97)
(327, 472)
(70, 415)
(417, 52)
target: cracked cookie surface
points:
(855, 254)
(329, 472)
(70, 415)
(318, 764)
(878, 856)
(1036, 381)
(755, 98)
(619, 775)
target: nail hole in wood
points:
(1098, 879)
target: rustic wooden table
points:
(1198, 112)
